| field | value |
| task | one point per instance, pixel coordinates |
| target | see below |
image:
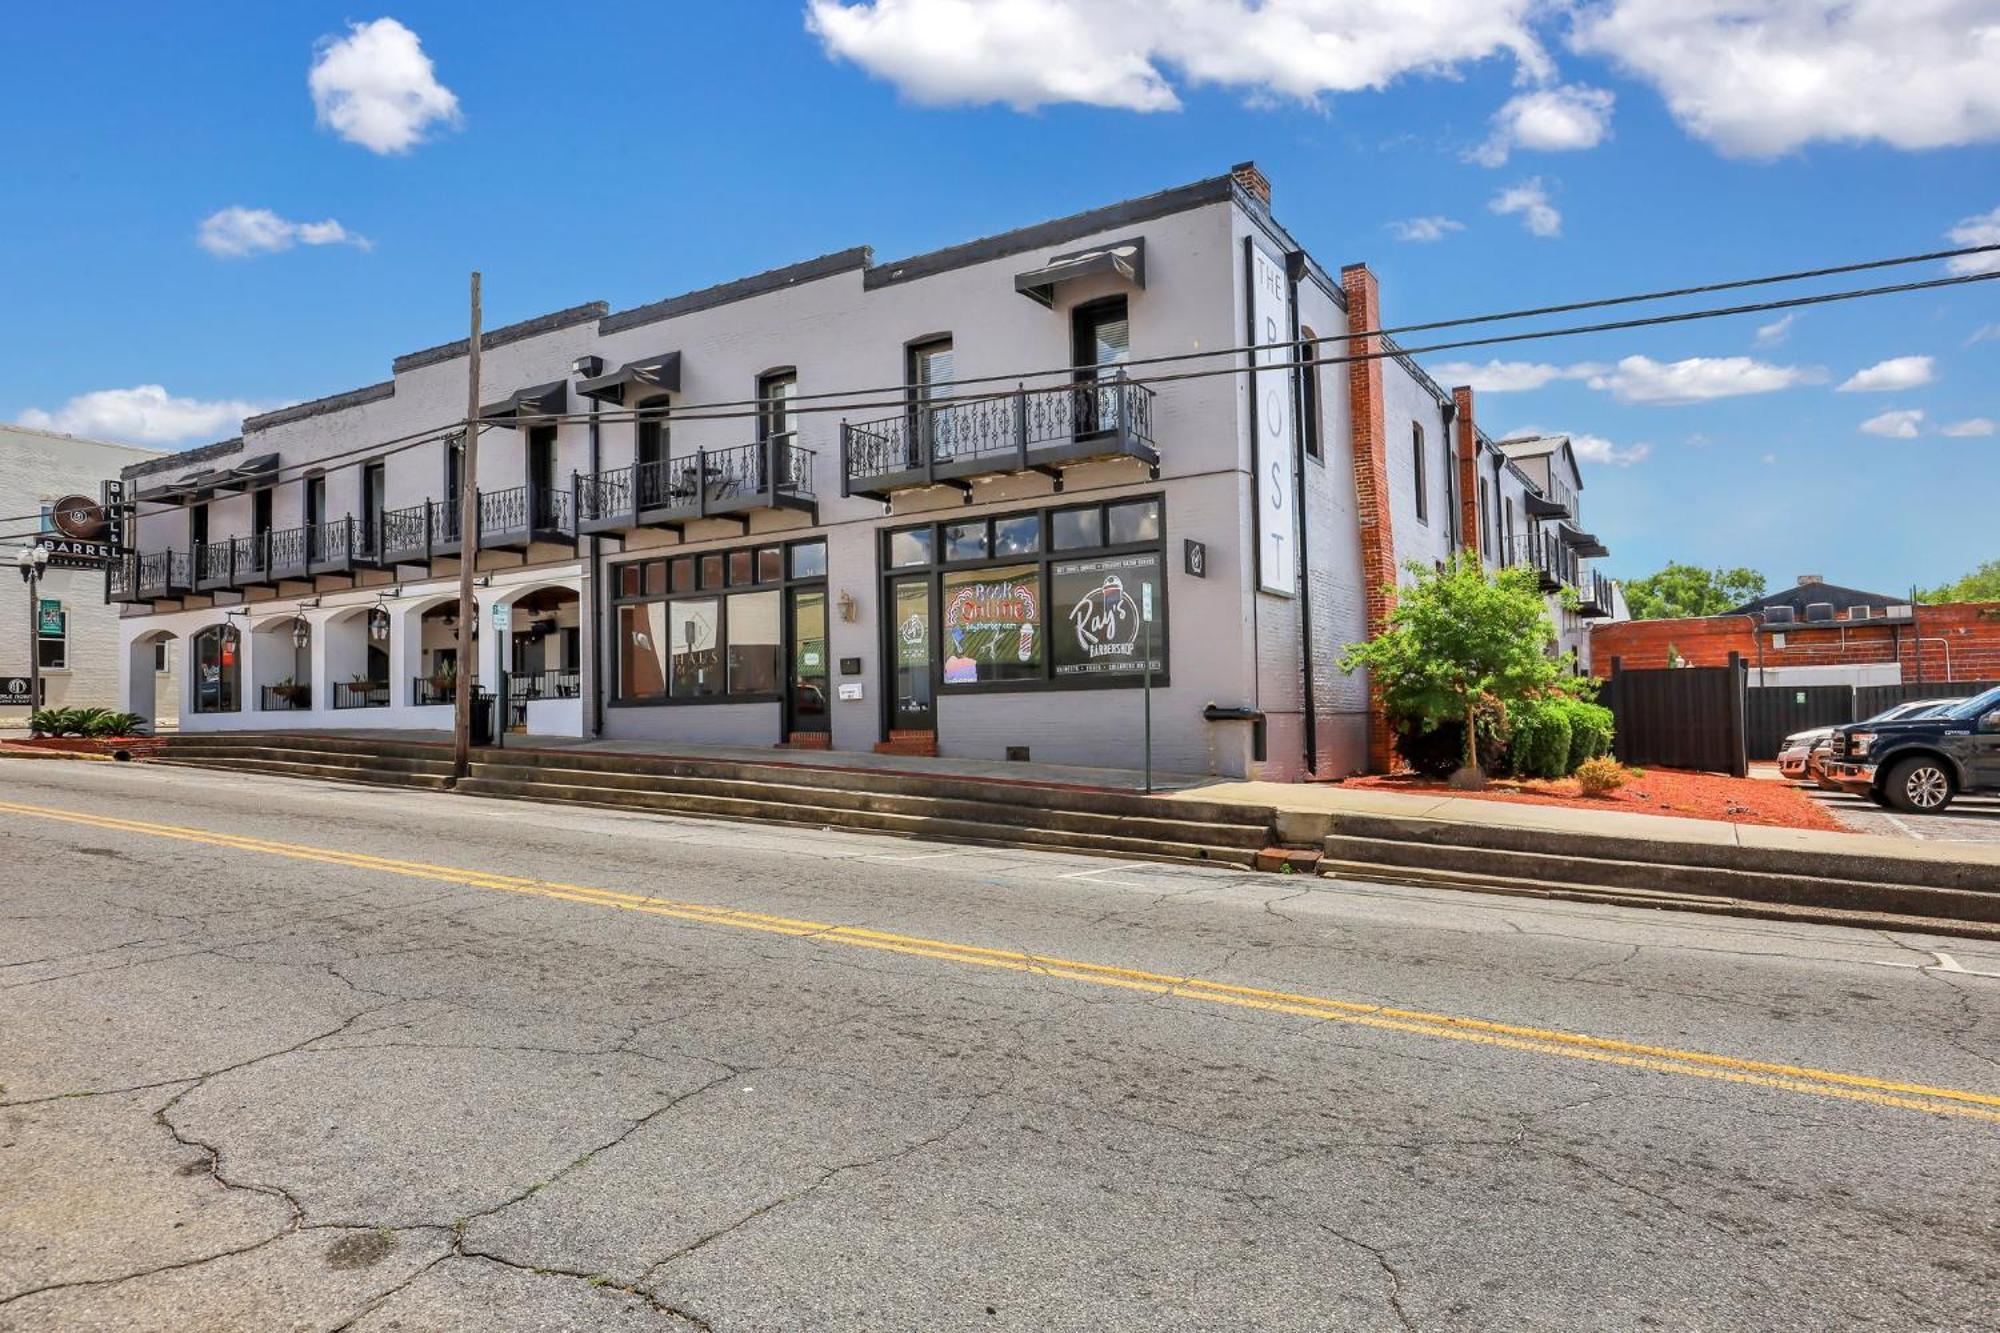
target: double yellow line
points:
(1538, 1041)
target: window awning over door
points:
(525, 407)
(1124, 260)
(636, 381)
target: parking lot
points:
(1970, 818)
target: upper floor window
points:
(1102, 335)
(1450, 484)
(315, 501)
(651, 444)
(776, 392)
(1485, 518)
(930, 373)
(1417, 470)
(1309, 390)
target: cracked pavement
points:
(246, 1091)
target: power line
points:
(803, 404)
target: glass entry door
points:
(806, 702)
(912, 702)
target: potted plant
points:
(292, 692)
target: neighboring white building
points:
(956, 565)
(80, 653)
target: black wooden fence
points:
(1776, 711)
(1680, 717)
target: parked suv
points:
(1803, 758)
(1919, 764)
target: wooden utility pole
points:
(468, 556)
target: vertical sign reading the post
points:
(1271, 419)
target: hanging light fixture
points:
(301, 633)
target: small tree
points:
(1981, 585)
(1459, 642)
(1689, 590)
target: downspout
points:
(599, 649)
(1294, 268)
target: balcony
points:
(515, 518)
(418, 534)
(340, 547)
(1543, 553)
(1029, 430)
(148, 578)
(1594, 596)
(285, 555)
(774, 473)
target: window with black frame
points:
(711, 626)
(1047, 598)
(218, 670)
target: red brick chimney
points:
(1253, 181)
(1371, 485)
(1467, 441)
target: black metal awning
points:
(524, 406)
(184, 490)
(636, 381)
(1125, 260)
(249, 474)
(1540, 506)
(1584, 544)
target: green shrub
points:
(116, 724)
(86, 722)
(1589, 731)
(1538, 738)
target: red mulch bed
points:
(1660, 791)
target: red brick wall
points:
(1371, 484)
(1969, 631)
(1467, 441)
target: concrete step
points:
(1661, 879)
(1797, 863)
(221, 755)
(908, 824)
(323, 772)
(1422, 877)
(797, 787)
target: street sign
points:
(503, 616)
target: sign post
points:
(1146, 660)
(503, 704)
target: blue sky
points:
(632, 151)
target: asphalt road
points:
(284, 1055)
(1969, 819)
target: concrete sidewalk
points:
(1306, 812)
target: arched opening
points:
(440, 654)
(357, 657)
(281, 662)
(215, 669)
(543, 656)
(152, 679)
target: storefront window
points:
(708, 639)
(1096, 612)
(642, 651)
(218, 670)
(992, 620)
(1062, 611)
(754, 657)
(693, 630)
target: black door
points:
(374, 499)
(912, 656)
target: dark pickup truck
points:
(1920, 764)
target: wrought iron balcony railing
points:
(1027, 430)
(773, 473)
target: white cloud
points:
(1960, 430)
(377, 88)
(1434, 228)
(235, 232)
(1549, 120)
(1512, 376)
(1770, 460)
(145, 414)
(1985, 333)
(1898, 372)
(1980, 229)
(1640, 379)
(1119, 53)
(1758, 78)
(1774, 333)
(1597, 449)
(1531, 201)
(1895, 425)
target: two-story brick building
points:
(919, 505)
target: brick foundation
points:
(920, 743)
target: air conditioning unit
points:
(1903, 610)
(1778, 615)
(1819, 612)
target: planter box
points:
(136, 747)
